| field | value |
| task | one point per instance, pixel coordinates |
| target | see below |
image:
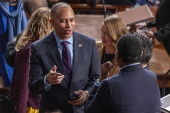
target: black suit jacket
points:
(132, 90)
(86, 69)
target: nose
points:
(68, 24)
(102, 36)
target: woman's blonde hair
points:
(116, 27)
(38, 27)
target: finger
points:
(52, 73)
(54, 68)
(79, 92)
(110, 66)
(76, 103)
(56, 81)
(60, 77)
(55, 74)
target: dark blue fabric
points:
(16, 20)
(12, 22)
(3, 20)
(147, 2)
(5, 70)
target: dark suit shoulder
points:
(80, 35)
(113, 79)
(150, 73)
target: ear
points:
(117, 54)
(27, 15)
(51, 21)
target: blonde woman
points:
(37, 28)
(113, 27)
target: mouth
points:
(68, 31)
(104, 41)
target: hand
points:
(84, 95)
(53, 77)
(140, 25)
(149, 34)
(105, 70)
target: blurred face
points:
(63, 23)
(106, 38)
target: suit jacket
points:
(101, 50)
(132, 90)
(19, 87)
(85, 70)
(163, 24)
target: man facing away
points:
(30, 6)
(147, 48)
(62, 63)
(133, 90)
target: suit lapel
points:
(78, 46)
(55, 54)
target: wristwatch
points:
(97, 81)
(87, 93)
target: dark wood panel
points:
(110, 9)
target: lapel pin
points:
(80, 45)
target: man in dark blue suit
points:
(133, 90)
(62, 63)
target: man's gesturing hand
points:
(53, 77)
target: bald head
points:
(56, 8)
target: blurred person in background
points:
(113, 27)
(30, 6)
(38, 27)
(162, 24)
(12, 22)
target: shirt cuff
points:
(47, 85)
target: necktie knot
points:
(64, 43)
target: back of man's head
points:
(55, 8)
(30, 6)
(129, 48)
(146, 46)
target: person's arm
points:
(94, 72)
(37, 76)
(36, 80)
(10, 53)
(163, 33)
(22, 80)
(101, 101)
(151, 24)
(143, 25)
(95, 68)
